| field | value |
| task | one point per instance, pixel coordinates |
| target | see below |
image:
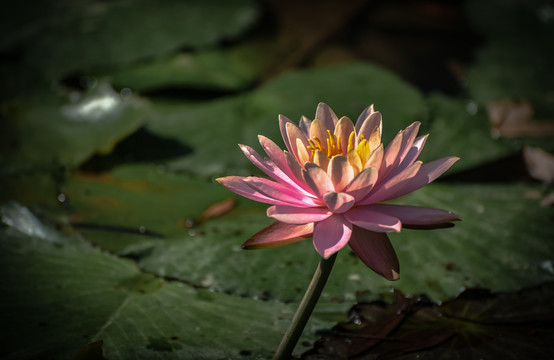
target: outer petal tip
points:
(394, 276)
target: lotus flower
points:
(331, 184)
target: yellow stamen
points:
(351, 140)
(358, 150)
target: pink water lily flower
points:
(331, 184)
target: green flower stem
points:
(305, 309)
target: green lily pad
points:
(61, 132)
(99, 33)
(61, 294)
(137, 205)
(228, 69)
(456, 131)
(502, 244)
(214, 128)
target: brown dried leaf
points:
(515, 119)
(540, 164)
(217, 209)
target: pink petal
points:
(338, 202)
(362, 183)
(280, 192)
(283, 121)
(296, 169)
(413, 153)
(317, 179)
(318, 130)
(278, 234)
(279, 158)
(267, 166)
(416, 215)
(374, 120)
(326, 115)
(363, 117)
(297, 215)
(331, 235)
(387, 190)
(294, 134)
(237, 185)
(342, 131)
(304, 125)
(340, 172)
(367, 218)
(408, 136)
(426, 174)
(376, 158)
(376, 251)
(390, 158)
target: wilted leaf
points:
(476, 325)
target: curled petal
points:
(278, 234)
(317, 179)
(369, 219)
(376, 251)
(362, 183)
(340, 172)
(338, 202)
(237, 185)
(416, 215)
(326, 115)
(331, 235)
(297, 215)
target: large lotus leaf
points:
(62, 132)
(455, 131)
(502, 244)
(60, 294)
(137, 205)
(214, 128)
(100, 33)
(228, 69)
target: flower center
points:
(333, 146)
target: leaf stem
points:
(305, 309)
